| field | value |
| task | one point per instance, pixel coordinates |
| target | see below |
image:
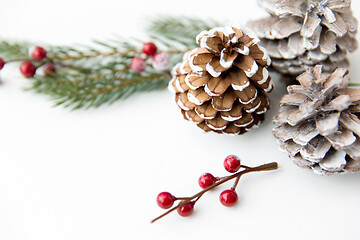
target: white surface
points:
(95, 174)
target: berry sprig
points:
(149, 55)
(89, 76)
(37, 58)
(86, 76)
(207, 182)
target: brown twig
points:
(18, 60)
(91, 55)
(105, 54)
(265, 167)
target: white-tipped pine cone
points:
(318, 122)
(221, 84)
(300, 34)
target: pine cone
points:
(318, 122)
(220, 85)
(300, 34)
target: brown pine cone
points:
(300, 34)
(221, 85)
(318, 123)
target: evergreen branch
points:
(90, 76)
(79, 91)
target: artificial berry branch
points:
(90, 77)
(106, 71)
(208, 182)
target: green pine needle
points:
(182, 30)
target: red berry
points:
(2, 63)
(232, 163)
(161, 61)
(206, 180)
(137, 64)
(27, 69)
(186, 210)
(48, 69)
(228, 198)
(38, 53)
(149, 48)
(165, 200)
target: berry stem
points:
(246, 167)
(236, 182)
(181, 198)
(69, 66)
(92, 55)
(106, 54)
(265, 167)
(18, 60)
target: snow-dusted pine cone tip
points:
(221, 84)
(318, 122)
(300, 34)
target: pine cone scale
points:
(217, 86)
(350, 121)
(195, 81)
(353, 150)
(310, 25)
(328, 43)
(328, 125)
(338, 27)
(339, 4)
(333, 162)
(352, 166)
(315, 150)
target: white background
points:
(95, 174)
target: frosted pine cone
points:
(300, 34)
(318, 122)
(221, 85)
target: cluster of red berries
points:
(159, 59)
(207, 181)
(28, 68)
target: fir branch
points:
(90, 76)
(83, 90)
